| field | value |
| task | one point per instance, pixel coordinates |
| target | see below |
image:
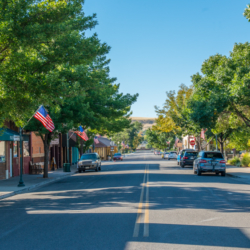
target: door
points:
(10, 162)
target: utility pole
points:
(216, 143)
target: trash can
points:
(66, 167)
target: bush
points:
(235, 161)
(245, 160)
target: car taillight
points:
(223, 161)
(202, 161)
(185, 158)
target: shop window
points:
(2, 151)
(15, 149)
(40, 150)
(26, 148)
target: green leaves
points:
(45, 58)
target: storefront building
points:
(10, 153)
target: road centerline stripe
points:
(139, 211)
(146, 217)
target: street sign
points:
(192, 143)
(111, 148)
(16, 138)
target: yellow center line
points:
(140, 207)
(139, 211)
(146, 217)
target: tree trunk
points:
(221, 147)
(46, 143)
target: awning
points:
(11, 135)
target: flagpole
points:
(32, 116)
(21, 183)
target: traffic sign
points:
(192, 143)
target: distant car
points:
(90, 161)
(166, 155)
(181, 153)
(172, 155)
(188, 158)
(117, 156)
(209, 161)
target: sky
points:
(158, 45)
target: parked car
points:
(156, 152)
(117, 156)
(90, 161)
(172, 155)
(188, 158)
(209, 161)
(180, 155)
(165, 156)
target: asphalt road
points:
(143, 202)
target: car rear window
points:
(117, 154)
(88, 157)
(191, 153)
(213, 155)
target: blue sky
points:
(157, 45)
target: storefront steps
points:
(9, 187)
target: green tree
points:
(40, 43)
(160, 139)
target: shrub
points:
(235, 161)
(245, 160)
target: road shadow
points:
(63, 211)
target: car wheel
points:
(198, 171)
(100, 167)
(182, 165)
(96, 169)
(79, 170)
(217, 173)
(223, 173)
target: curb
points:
(35, 186)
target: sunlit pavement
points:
(142, 202)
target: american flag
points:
(96, 140)
(203, 133)
(42, 116)
(176, 141)
(123, 143)
(81, 133)
(168, 142)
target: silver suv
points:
(209, 161)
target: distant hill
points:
(145, 121)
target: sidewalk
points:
(9, 187)
(239, 172)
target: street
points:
(142, 202)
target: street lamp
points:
(21, 183)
